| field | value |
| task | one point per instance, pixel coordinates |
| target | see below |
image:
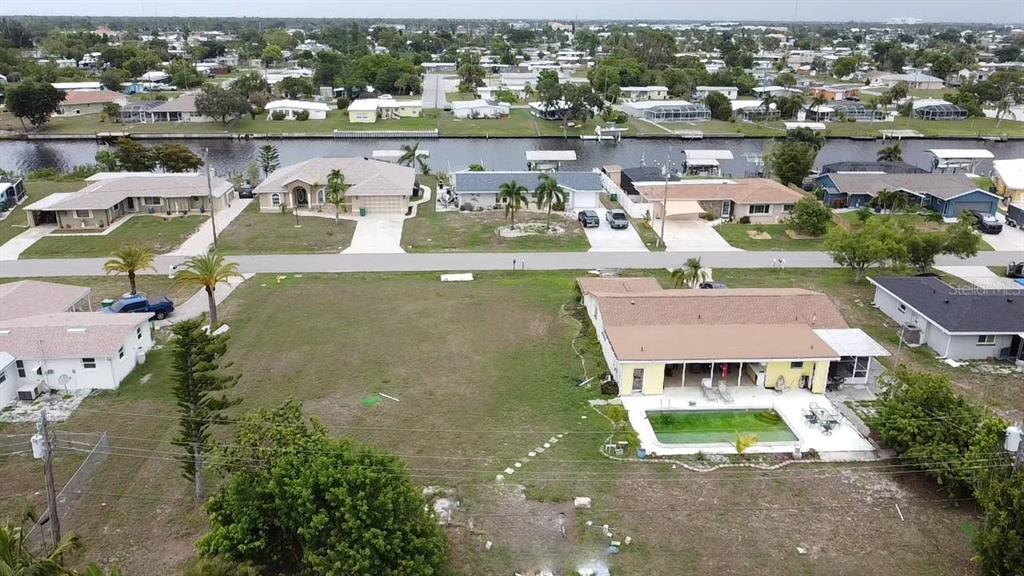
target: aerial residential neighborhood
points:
(530, 289)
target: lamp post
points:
(209, 195)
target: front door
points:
(301, 197)
(726, 209)
(130, 204)
(638, 380)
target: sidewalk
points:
(197, 304)
(13, 248)
(200, 242)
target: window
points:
(638, 380)
(89, 363)
(760, 209)
(275, 199)
(321, 196)
(860, 369)
(3, 377)
(987, 340)
(138, 332)
(796, 365)
(83, 213)
(151, 201)
(787, 208)
(21, 368)
(902, 307)
(120, 352)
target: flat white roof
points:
(811, 125)
(692, 155)
(551, 155)
(961, 153)
(297, 105)
(363, 105)
(851, 342)
(1011, 172)
(644, 88)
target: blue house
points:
(947, 194)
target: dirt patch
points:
(531, 229)
(756, 235)
(798, 236)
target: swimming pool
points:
(719, 426)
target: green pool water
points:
(718, 426)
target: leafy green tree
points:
(549, 193)
(335, 193)
(184, 75)
(33, 100)
(810, 217)
(513, 195)
(111, 111)
(844, 66)
(250, 83)
(134, 157)
(205, 272)
(471, 73)
(272, 55)
(922, 248)
(719, 105)
(961, 239)
(176, 158)
(129, 260)
(999, 542)
(216, 102)
(295, 87)
(477, 168)
(220, 566)
(317, 505)
(892, 153)
(269, 159)
(805, 135)
(791, 162)
(580, 103)
(112, 78)
(107, 160)
(876, 243)
(199, 391)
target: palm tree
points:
(548, 193)
(513, 194)
(766, 105)
(744, 442)
(411, 157)
(892, 153)
(18, 560)
(691, 274)
(129, 260)
(206, 272)
(816, 103)
(335, 194)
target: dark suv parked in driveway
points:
(617, 219)
(987, 223)
(589, 219)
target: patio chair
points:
(810, 417)
(724, 393)
(709, 392)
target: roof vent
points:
(632, 302)
(74, 330)
(946, 301)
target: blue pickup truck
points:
(160, 308)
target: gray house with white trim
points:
(959, 324)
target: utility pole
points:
(209, 194)
(51, 492)
(664, 197)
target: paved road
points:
(308, 263)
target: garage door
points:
(985, 207)
(381, 204)
(584, 200)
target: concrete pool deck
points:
(790, 405)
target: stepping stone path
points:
(531, 454)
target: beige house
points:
(761, 200)
(375, 187)
(113, 195)
(79, 102)
(369, 110)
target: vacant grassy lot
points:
(16, 222)
(432, 231)
(484, 372)
(274, 233)
(739, 235)
(156, 233)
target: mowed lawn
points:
(17, 222)
(158, 234)
(432, 231)
(336, 120)
(484, 372)
(739, 236)
(253, 232)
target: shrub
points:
(839, 203)
(745, 220)
(342, 102)
(809, 217)
(277, 115)
(44, 174)
(610, 388)
(708, 216)
(302, 116)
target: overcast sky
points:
(1001, 11)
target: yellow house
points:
(654, 340)
(369, 110)
(1008, 178)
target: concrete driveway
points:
(377, 235)
(1010, 239)
(692, 236)
(13, 248)
(435, 86)
(605, 239)
(981, 277)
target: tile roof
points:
(975, 311)
(365, 176)
(724, 342)
(477, 182)
(943, 186)
(741, 191)
(618, 285)
(68, 334)
(32, 297)
(79, 97)
(106, 193)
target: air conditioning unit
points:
(28, 392)
(912, 336)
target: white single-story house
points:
(915, 80)
(583, 189)
(956, 324)
(80, 102)
(730, 92)
(48, 342)
(667, 111)
(70, 86)
(644, 92)
(375, 187)
(112, 195)
(291, 109)
(480, 108)
(369, 110)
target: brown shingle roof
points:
(741, 191)
(943, 186)
(32, 297)
(68, 334)
(724, 342)
(618, 285)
